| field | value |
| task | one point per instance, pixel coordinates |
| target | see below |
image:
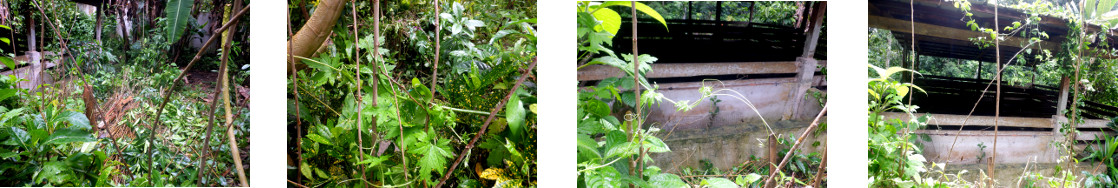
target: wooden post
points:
(774, 159)
(718, 11)
(804, 77)
(31, 37)
(814, 30)
(1063, 100)
(978, 71)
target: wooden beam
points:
(672, 70)
(924, 29)
(815, 29)
(1063, 100)
(957, 120)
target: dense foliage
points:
(46, 139)
(397, 131)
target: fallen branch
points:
(492, 114)
(799, 141)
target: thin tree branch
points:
(484, 126)
(799, 141)
(435, 72)
(357, 71)
(171, 89)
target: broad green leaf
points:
(655, 145)
(611, 21)
(434, 155)
(178, 17)
(514, 114)
(472, 24)
(748, 179)
(902, 91)
(622, 150)
(7, 93)
(419, 90)
(587, 148)
(20, 136)
(77, 120)
(55, 172)
(69, 135)
(306, 170)
(640, 7)
(719, 183)
(319, 139)
(373, 161)
(667, 181)
(11, 64)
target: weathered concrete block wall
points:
(727, 146)
(771, 97)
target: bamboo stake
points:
(997, 96)
(228, 108)
(357, 71)
(799, 141)
(227, 43)
(635, 128)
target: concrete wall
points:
(727, 146)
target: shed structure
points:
(1030, 116)
(777, 67)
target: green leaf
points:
(622, 150)
(55, 172)
(8, 62)
(719, 183)
(655, 145)
(748, 179)
(319, 139)
(69, 135)
(77, 120)
(667, 180)
(434, 155)
(514, 114)
(178, 17)
(419, 90)
(7, 93)
(611, 21)
(20, 135)
(373, 161)
(306, 170)
(640, 7)
(587, 148)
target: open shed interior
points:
(778, 67)
(1030, 113)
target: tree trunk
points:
(315, 31)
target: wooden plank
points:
(1013, 146)
(672, 70)
(905, 26)
(957, 120)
